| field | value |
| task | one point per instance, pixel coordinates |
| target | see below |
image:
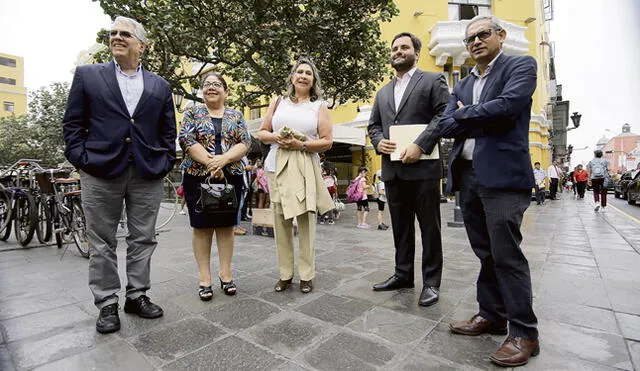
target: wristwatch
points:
(304, 147)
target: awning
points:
(341, 133)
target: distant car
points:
(622, 184)
(633, 189)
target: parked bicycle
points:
(17, 203)
(61, 200)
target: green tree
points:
(254, 42)
(38, 134)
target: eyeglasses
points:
(214, 84)
(483, 35)
(124, 34)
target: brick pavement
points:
(584, 269)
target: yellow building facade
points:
(13, 94)
(440, 25)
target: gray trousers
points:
(102, 201)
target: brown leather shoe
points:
(515, 351)
(478, 325)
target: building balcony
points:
(446, 41)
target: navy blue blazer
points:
(102, 138)
(499, 123)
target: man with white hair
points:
(488, 116)
(120, 130)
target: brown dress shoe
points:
(478, 325)
(515, 351)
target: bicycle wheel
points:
(44, 227)
(5, 211)
(169, 205)
(79, 232)
(26, 218)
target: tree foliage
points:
(38, 134)
(254, 42)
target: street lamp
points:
(178, 97)
(576, 120)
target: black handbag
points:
(217, 198)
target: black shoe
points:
(382, 227)
(393, 283)
(429, 296)
(108, 320)
(143, 307)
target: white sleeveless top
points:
(302, 117)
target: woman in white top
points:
(303, 110)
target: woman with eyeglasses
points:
(297, 126)
(213, 139)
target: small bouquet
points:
(287, 132)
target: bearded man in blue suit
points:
(120, 131)
(488, 115)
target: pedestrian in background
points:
(492, 106)
(540, 177)
(119, 129)
(214, 138)
(381, 198)
(554, 174)
(363, 203)
(293, 167)
(581, 177)
(598, 169)
(263, 186)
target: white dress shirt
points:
(400, 86)
(553, 172)
(478, 85)
(131, 87)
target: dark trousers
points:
(247, 207)
(407, 200)
(553, 188)
(599, 191)
(581, 186)
(539, 195)
(492, 219)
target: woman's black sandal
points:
(205, 293)
(229, 288)
(282, 285)
(306, 286)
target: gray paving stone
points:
(396, 327)
(345, 351)
(335, 309)
(362, 289)
(230, 353)
(568, 288)
(624, 296)
(287, 333)
(22, 306)
(575, 314)
(240, 313)
(471, 351)
(451, 294)
(167, 343)
(6, 364)
(52, 346)
(291, 298)
(116, 355)
(549, 359)
(427, 362)
(41, 322)
(630, 325)
(588, 344)
(634, 350)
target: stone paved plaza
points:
(585, 270)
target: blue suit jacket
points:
(499, 123)
(102, 138)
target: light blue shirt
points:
(478, 85)
(131, 87)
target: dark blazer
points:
(423, 101)
(499, 123)
(102, 138)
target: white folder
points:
(403, 135)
